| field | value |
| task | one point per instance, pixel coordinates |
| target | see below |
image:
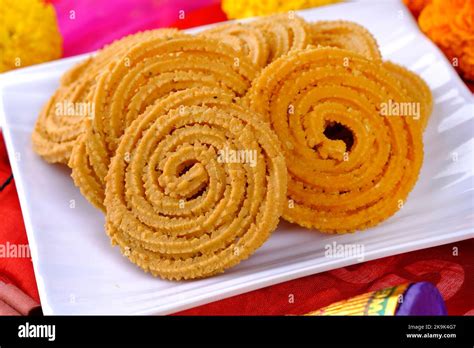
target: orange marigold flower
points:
(416, 6)
(450, 24)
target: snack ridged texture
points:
(345, 35)
(148, 72)
(195, 146)
(415, 87)
(177, 209)
(283, 33)
(55, 132)
(350, 167)
(243, 38)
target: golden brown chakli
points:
(148, 72)
(180, 208)
(194, 146)
(63, 118)
(345, 35)
(350, 166)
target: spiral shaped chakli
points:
(350, 165)
(283, 33)
(62, 120)
(345, 35)
(179, 204)
(243, 38)
(77, 71)
(417, 90)
(148, 72)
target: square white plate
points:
(79, 273)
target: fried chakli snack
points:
(174, 208)
(76, 72)
(250, 41)
(148, 72)
(283, 33)
(415, 87)
(55, 133)
(345, 35)
(350, 167)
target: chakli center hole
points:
(185, 167)
(337, 131)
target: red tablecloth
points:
(450, 267)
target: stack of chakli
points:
(194, 146)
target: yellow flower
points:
(251, 8)
(29, 34)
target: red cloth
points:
(12, 230)
(453, 275)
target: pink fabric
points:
(88, 25)
(15, 298)
(5, 309)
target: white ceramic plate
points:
(79, 273)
